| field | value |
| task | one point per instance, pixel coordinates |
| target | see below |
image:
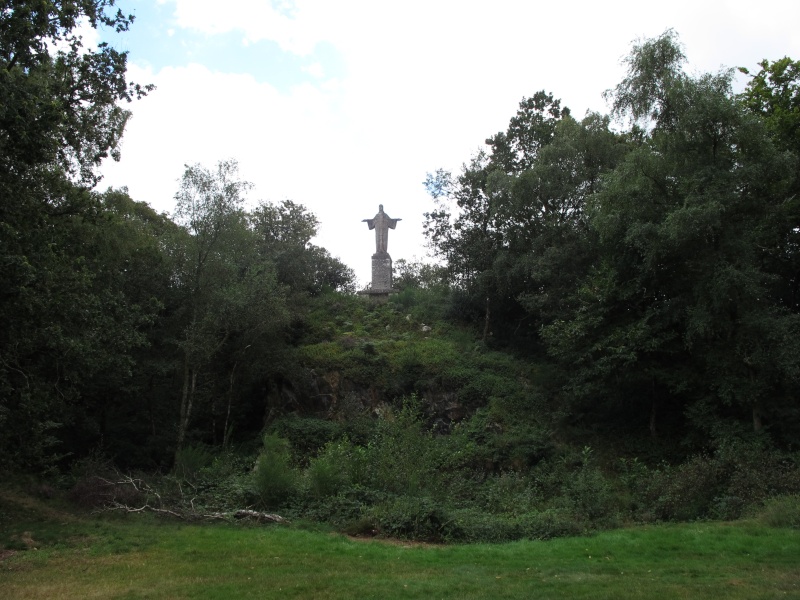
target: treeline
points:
(121, 328)
(645, 264)
(651, 255)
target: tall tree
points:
(231, 291)
(679, 307)
(59, 118)
(284, 232)
(512, 225)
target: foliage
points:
(774, 93)
(678, 310)
(284, 232)
(306, 436)
(59, 99)
(63, 324)
(512, 226)
(412, 517)
(190, 460)
(727, 484)
(340, 465)
(275, 478)
(781, 511)
(606, 290)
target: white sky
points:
(342, 105)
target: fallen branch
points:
(142, 488)
(146, 507)
(261, 517)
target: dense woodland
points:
(612, 334)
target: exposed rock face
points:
(330, 395)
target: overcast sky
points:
(341, 105)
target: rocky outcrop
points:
(331, 395)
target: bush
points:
(509, 492)
(553, 523)
(93, 491)
(476, 526)
(404, 458)
(781, 511)
(226, 484)
(189, 460)
(414, 518)
(348, 510)
(339, 465)
(473, 525)
(275, 479)
(306, 435)
(740, 475)
(588, 494)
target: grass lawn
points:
(138, 557)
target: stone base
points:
(378, 292)
(381, 272)
(377, 296)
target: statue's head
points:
(380, 208)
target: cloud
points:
(281, 22)
(315, 70)
(422, 85)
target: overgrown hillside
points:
(390, 420)
(612, 334)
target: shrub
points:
(781, 511)
(740, 475)
(347, 510)
(473, 525)
(95, 491)
(226, 484)
(685, 492)
(553, 523)
(509, 492)
(403, 457)
(414, 518)
(275, 479)
(306, 435)
(189, 460)
(588, 494)
(339, 465)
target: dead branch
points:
(146, 507)
(141, 487)
(261, 517)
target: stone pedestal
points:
(381, 285)
(381, 272)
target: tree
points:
(774, 94)
(516, 237)
(59, 118)
(208, 205)
(284, 232)
(679, 306)
(59, 101)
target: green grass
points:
(145, 558)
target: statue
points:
(381, 223)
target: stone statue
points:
(381, 223)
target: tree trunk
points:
(228, 412)
(486, 325)
(757, 424)
(653, 433)
(187, 399)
